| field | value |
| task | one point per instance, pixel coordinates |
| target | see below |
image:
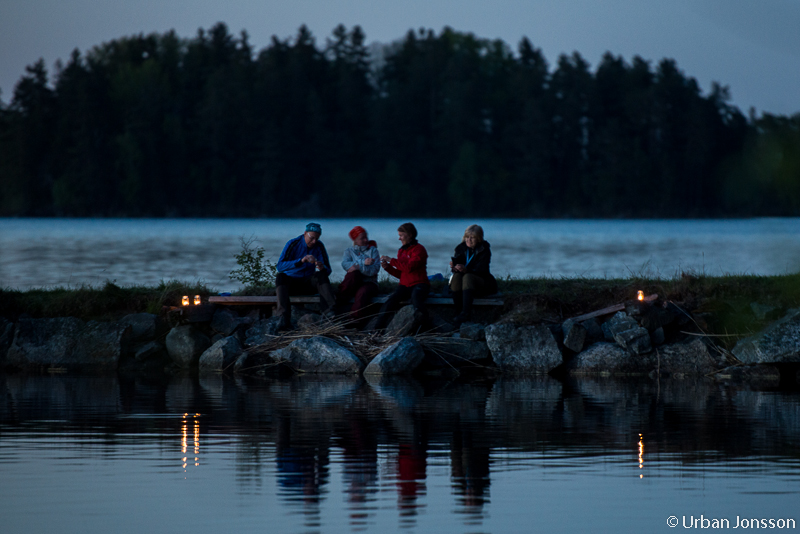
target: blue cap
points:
(314, 227)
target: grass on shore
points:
(99, 303)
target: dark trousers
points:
(354, 286)
(418, 294)
(286, 285)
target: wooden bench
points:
(272, 300)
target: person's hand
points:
(369, 261)
(385, 259)
(319, 265)
(352, 268)
(460, 268)
(309, 259)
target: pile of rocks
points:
(644, 339)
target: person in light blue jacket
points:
(361, 263)
(303, 268)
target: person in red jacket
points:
(410, 266)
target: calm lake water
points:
(100, 454)
(74, 252)
(206, 455)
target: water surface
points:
(217, 454)
(72, 252)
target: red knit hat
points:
(356, 231)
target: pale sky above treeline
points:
(752, 47)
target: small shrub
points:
(254, 271)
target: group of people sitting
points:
(304, 268)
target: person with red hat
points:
(361, 263)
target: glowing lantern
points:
(197, 300)
(640, 295)
(185, 300)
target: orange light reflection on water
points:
(195, 438)
(641, 455)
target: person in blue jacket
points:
(303, 269)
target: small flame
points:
(640, 295)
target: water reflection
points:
(185, 439)
(318, 444)
(641, 455)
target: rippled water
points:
(72, 252)
(217, 454)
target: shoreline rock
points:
(67, 343)
(319, 355)
(524, 349)
(778, 343)
(628, 343)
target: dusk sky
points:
(751, 46)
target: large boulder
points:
(574, 335)
(619, 322)
(636, 340)
(221, 356)
(152, 350)
(401, 358)
(523, 349)
(605, 358)
(224, 321)
(454, 351)
(628, 334)
(690, 358)
(6, 337)
(319, 355)
(309, 321)
(261, 332)
(185, 344)
(403, 323)
(658, 316)
(252, 362)
(144, 326)
(474, 331)
(778, 343)
(69, 343)
(101, 344)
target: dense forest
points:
(431, 125)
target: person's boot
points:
(285, 314)
(420, 320)
(466, 310)
(458, 304)
(285, 323)
(327, 301)
(467, 297)
(380, 321)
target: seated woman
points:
(410, 266)
(362, 264)
(471, 277)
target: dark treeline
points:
(431, 125)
